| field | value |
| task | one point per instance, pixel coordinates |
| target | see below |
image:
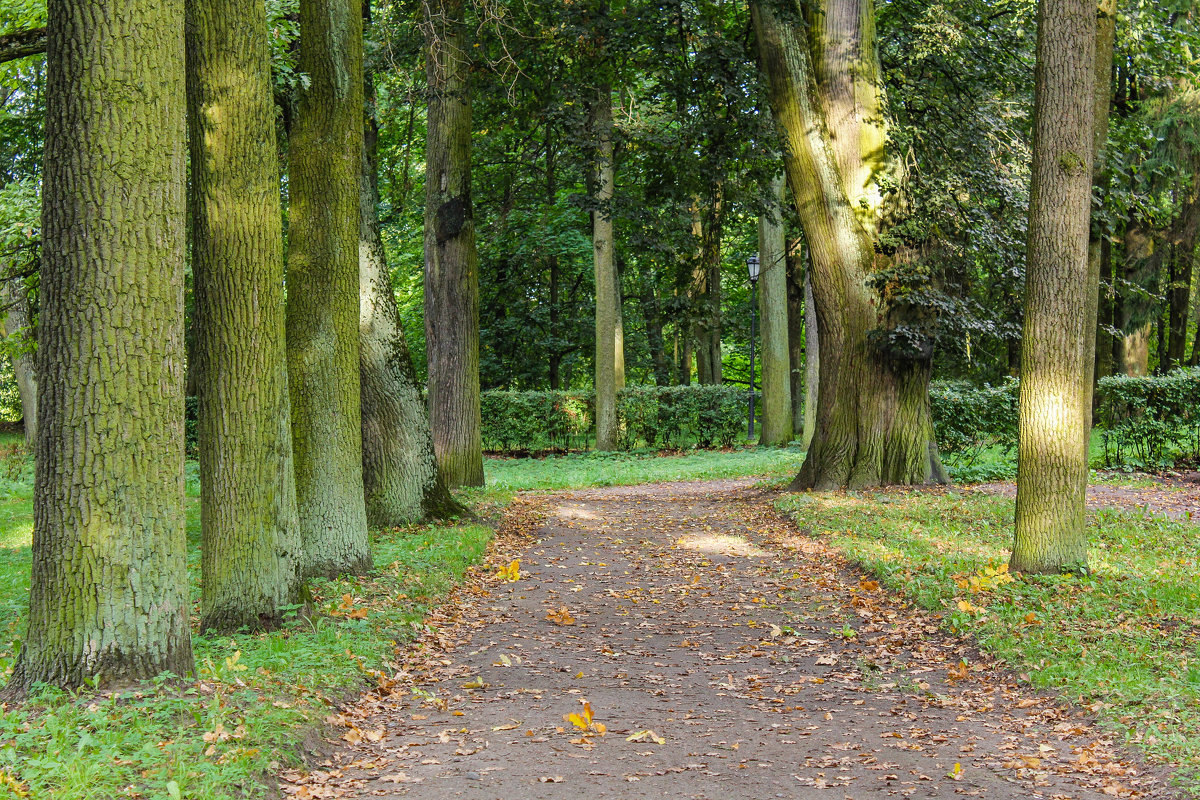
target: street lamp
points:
(752, 270)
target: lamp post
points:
(752, 269)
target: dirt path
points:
(1176, 498)
(726, 657)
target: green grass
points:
(1125, 637)
(265, 690)
(584, 470)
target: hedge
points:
(1150, 422)
(654, 416)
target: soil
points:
(722, 654)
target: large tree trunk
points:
(1055, 397)
(608, 309)
(451, 262)
(322, 307)
(250, 533)
(17, 323)
(873, 423)
(109, 589)
(400, 477)
(796, 333)
(773, 315)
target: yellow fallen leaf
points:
(478, 683)
(508, 727)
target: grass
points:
(1124, 639)
(253, 696)
(590, 469)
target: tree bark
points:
(796, 340)
(322, 306)
(109, 588)
(400, 477)
(250, 532)
(773, 323)
(607, 304)
(1055, 359)
(17, 322)
(1180, 306)
(812, 363)
(873, 423)
(451, 261)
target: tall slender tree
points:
(249, 525)
(322, 307)
(608, 309)
(451, 261)
(873, 423)
(1055, 356)
(17, 323)
(108, 595)
(773, 313)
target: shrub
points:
(1150, 421)
(655, 416)
(969, 421)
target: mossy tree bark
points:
(873, 423)
(400, 477)
(17, 322)
(451, 261)
(1055, 358)
(608, 312)
(773, 323)
(322, 306)
(250, 530)
(812, 363)
(108, 594)
(795, 288)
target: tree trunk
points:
(773, 316)
(873, 423)
(322, 307)
(706, 290)
(607, 303)
(451, 262)
(655, 341)
(1106, 345)
(250, 533)
(109, 589)
(18, 323)
(812, 364)
(400, 477)
(1055, 360)
(1180, 306)
(796, 334)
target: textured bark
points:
(796, 340)
(400, 477)
(17, 322)
(607, 305)
(108, 594)
(322, 308)
(20, 44)
(451, 261)
(250, 530)
(773, 324)
(1055, 358)
(812, 363)
(873, 424)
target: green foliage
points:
(1150, 422)
(655, 416)
(1121, 638)
(976, 427)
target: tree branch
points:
(21, 44)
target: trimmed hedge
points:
(1150, 422)
(655, 416)
(970, 420)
